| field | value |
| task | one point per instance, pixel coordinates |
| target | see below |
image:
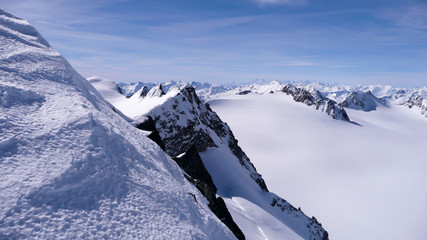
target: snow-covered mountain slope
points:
(361, 182)
(71, 167)
(184, 126)
(364, 101)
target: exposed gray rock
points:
(314, 227)
(184, 121)
(417, 101)
(193, 165)
(144, 91)
(245, 92)
(315, 98)
(156, 91)
(364, 101)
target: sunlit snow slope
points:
(71, 167)
(361, 182)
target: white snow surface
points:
(108, 89)
(362, 181)
(71, 167)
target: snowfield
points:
(72, 167)
(362, 180)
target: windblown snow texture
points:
(71, 167)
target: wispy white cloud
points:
(414, 16)
(280, 2)
(304, 63)
(205, 25)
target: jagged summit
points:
(156, 92)
(315, 98)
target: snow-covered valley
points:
(363, 181)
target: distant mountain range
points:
(329, 98)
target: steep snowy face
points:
(364, 101)
(71, 167)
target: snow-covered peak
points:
(271, 87)
(156, 92)
(131, 88)
(71, 167)
(364, 101)
(108, 89)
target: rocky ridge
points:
(185, 127)
(314, 98)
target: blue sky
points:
(345, 41)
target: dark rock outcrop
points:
(245, 92)
(144, 91)
(184, 121)
(193, 165)
(417, 101)
(314, 227)
(149, 125)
